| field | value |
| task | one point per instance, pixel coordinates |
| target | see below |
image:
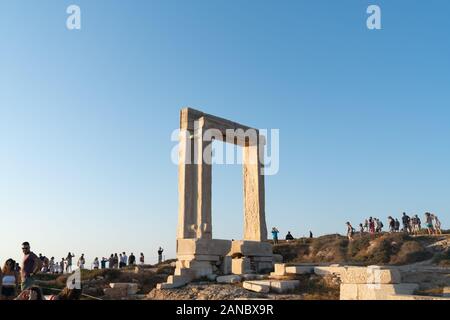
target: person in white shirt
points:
(96, 263)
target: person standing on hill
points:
(30, 266)
(437, 224)
(429, 223)
(275, 235)
(397, 225)
(406, 220)
(391, 223)
(81, 261)
(350, 231)
(131, 260)
(142, 259)
(69, 262)
(361, 229)
(96, 263)
(371, 225)
(160, 252)
(310, 234)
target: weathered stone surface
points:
(241, 266)
(229, 279)
(284, 286)
(361, 275)
(199, 257)
(196, 250)
(277, 258)
(323, 271)
(226, 265)
(257, 286)
(280, 269)
(213, 247)
(174, 281)
(252, 248)
(278, 286)
(375, 291)
(300, 269)
(264, 266)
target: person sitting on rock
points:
(289, 236)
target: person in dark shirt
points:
(131, 259)
(30, 266)
(406, 219)
(289, 236)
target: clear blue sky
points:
(86, 116)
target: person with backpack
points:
(405, 221)
(397, 225)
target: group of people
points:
(289, 236)
(411, 225)
(17, 282)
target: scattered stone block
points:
(284, 286)
(257, 286)
(229, 279)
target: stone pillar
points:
(204, 181)
(255, 228)
(187, 193)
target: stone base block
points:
(252, 248)
(375, 291)
(205, 247)
(226, 265)
(241, 266)
(373, 274)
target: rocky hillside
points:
(384, 249)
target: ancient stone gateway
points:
(198, 254)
